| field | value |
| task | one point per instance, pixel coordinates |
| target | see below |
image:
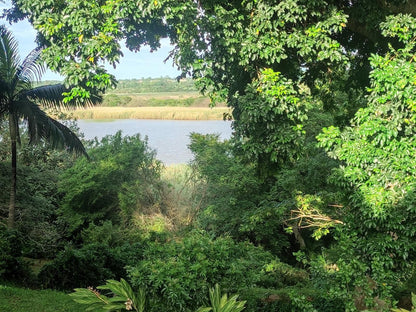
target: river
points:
(168, 137)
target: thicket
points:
(317, 184)
(133, 230)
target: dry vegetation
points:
(174, 113)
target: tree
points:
(378, 154)
(19, 100)
(283, 56)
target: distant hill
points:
(154, 85)
(144, 85)
(151, 92)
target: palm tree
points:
(19, 100)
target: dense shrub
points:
(303, 298)
(178, 273)
(108, 234)
(121, 177)
(88, 266)
(37, 198)
(38, 170)
(12, 265)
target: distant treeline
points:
(152, 92)
(146, 85)
(151, 85)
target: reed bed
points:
(171, 113)
(183, 193)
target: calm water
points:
(168, 137)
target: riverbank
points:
(165, 113)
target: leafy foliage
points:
(90, 265)
(378, 176)
(178, 274)
(121, 177)
(270, 124)
(12, 265)
(122, 297)
(38, 170)
(233, 185)
(222, 303)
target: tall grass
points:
(172, 113)
(182, 193)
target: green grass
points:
(185, 99)
(15, 299)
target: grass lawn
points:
(13, 299)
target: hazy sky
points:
(133, 65)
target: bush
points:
(90, 265)
(12, 266)
(122, 176)
(178, 274)
(300, 298)
(108, 234)
(37, 198)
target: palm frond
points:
(9, 56)
(47, 96)
(51, 96)
(71, 141)
(31, 67)
(41, 126)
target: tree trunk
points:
(13, 139)
(299, 237)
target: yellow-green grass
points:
(15, 299)
(172, 113)
(183, 194)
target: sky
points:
(143, 64)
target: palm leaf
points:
(48, 96)
(123, 292)
(96, 302)
(41, 126)
(223, 303)
(9, 56)
(71, 141)
(51, 96)
(31, 68)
